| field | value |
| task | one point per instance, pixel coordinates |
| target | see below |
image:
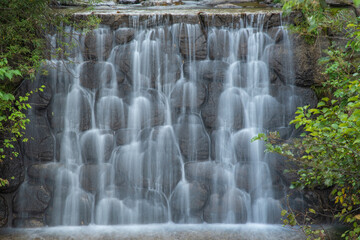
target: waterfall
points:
(153, 124)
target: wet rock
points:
(124, 35)
(39, 99)
(31, 199)
(79, 211)
(193, 141)
(207, 70)
(111, 113)
(73, 107)
(192, 42)
(211, 174)
(243, 146)
(231, 109)
(234, 206)
(56, 111)
(121, 58)
(97, 44)
(28, 223)
(271, 19)
(242, 176)
(44, 171)
(230, 208)
(188, 94)
(158, 108)
(67, 146)
(40, 146)
(253, 179)
(123, 136)
(95, 177)
(162, 163)
(221, 147)
(57, 78)
(96, 146)
(95, 74)
(304, 60)
(209, 111)
(4, 211)
(276, 33)
(196, 193)
(146, 110)
(290, 97)
(279, 191)
(218, 42)
(212, 210)
(279, 164)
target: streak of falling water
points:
(131, 138)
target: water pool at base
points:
(159, 231)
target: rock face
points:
(3, 212)
(12, 169)
(154, 120)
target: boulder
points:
(73, 109)
(187, 201)
(56, 111)
(95, 177)
(31, 199)
(242, 176)
(231, 113)
(213, 175)
(234, 206)
(218, 40)
(209, 111)
(78, 211)
(229, 208)
(162, 167)
(67, 146)
(192, 42)
(40, 99)
(44, 171)
(244, 149)
(40, 146)
(123, 136)
(124, 35)
(206, 70)
(146, 110)
(98, 44)
(111, 112)
(303, 56)
(188, 94)
(57, 77)
(193, 141)
(221, 147)
(212, 210)
(96, 146)
(95, 74)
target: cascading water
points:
(153, 127)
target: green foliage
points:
(319, 18)
(311, 232)
(23, 48)
(328, 152)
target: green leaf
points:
(321, 104)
